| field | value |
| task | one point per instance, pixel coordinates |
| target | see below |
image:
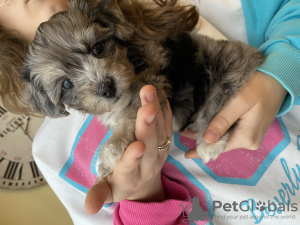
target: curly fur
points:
(96, 57)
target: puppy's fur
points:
(96, 57)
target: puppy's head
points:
(78, 59)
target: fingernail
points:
(150, 119)
(150, 97)
(211, 136)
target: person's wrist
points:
(275, 86)
(153, 191)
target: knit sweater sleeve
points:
(273, 27)
(168, 212)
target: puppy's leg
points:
(113, 149)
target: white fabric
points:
(226, 16)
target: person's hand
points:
(255, 107)
(138, 174)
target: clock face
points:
(17, 167)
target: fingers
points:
(255, 106)
(148, 94)
(220, 124)
(131, 158)
(141, 160)
(163, 123)
(155, 133)
(168, 120)
(235, 109)
(191, 154)
(146, 126)
(248, 128)
(101, 192)
(96, 196)
(189, 134)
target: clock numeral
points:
(4, 117)
(4, 153)
(2, 111)
(1, 159)
(34, 169)
(17, 158)
(14, 171)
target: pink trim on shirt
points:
(168, 212)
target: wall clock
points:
(18, 169)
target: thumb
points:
(101, 192)
(216, 129)
(96, 197)
(131, 158)
(220, 124)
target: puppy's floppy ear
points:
(37, 97)
(108, 13)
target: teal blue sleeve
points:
(273, 26)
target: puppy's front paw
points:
(108, 159)
(208, 151)
(110, 154)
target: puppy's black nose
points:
(107, 88)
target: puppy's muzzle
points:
(107, 88)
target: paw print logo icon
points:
(261, 206)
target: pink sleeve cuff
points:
(167, 212)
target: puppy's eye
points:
(67, 84)
(98, 49)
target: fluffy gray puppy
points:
(96, 57)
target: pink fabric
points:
(80, 169)
(242, 163)
(168, 212)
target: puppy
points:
(96, 57)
